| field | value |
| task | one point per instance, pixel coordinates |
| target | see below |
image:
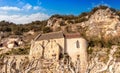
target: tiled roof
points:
(53, 35)
(72, 35)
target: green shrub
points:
(18, 51)
(68, 29)
(58, 29)
(82, 19)
(62, 24)
(47, 30)
(90, 50)
(117, 53)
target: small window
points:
(77, 44)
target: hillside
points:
(100, 26)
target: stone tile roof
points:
(72, 35)
(53, 35)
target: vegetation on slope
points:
(17, 51)
(40, 26)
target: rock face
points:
(8, 43)
(55, 23)
(102, 15)
(104, 63)
(103, 22)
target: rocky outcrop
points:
(103, 23)
(9, 43)
(102, 15)
(109, 64)
(55, 23)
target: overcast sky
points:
(26, 11)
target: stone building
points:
(48, 45)
(52, 45)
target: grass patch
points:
(18, 51)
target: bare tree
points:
(106, 67)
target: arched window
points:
(77, 44)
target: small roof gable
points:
(53, 35)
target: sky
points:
(26, 11)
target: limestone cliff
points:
(100, 23)
(103, 23)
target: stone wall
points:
(36, 50)
(52, 50)
(47, 48)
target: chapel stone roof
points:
(72, 35)
(53, 35)
(56, 35)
